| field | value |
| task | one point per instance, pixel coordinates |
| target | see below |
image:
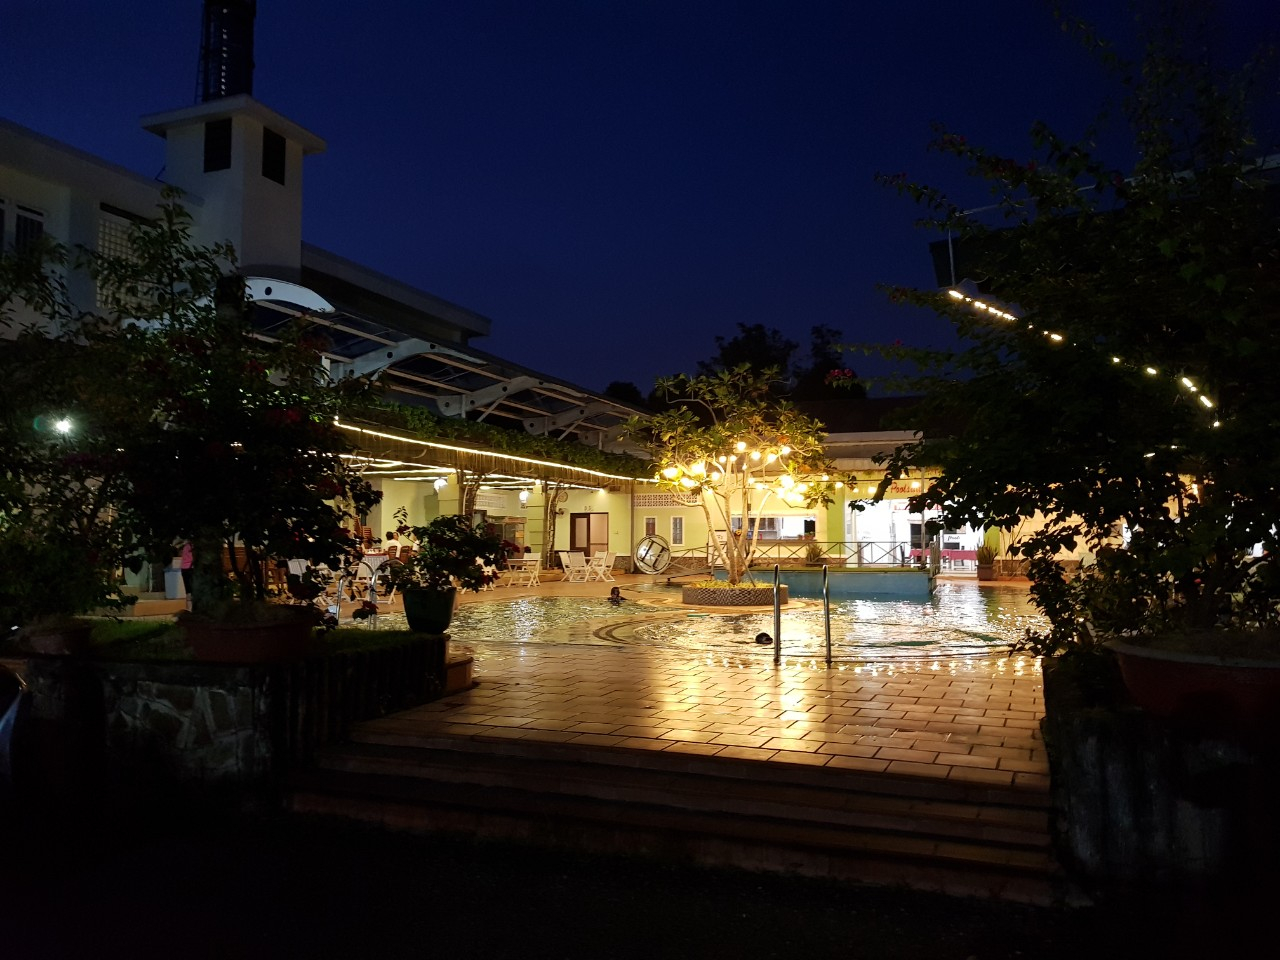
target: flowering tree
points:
(728, 445)
(236, 443)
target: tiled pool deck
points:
(975, 721)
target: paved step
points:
(951, 837)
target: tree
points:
(760, 347)
(626, 391)
(1117, 368)
(188, 425)
(764, 348)
(61, 537)
(827, 376)
(728, 445)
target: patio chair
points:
(600, 567)
(575, 566)
(524, 573)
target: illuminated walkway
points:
(925, 774)
(974, 721)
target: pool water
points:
(960, 620)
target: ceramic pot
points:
(427, 610)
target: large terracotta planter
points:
(429, 611)
(1214, 694)
(986, 571)
(250, 642)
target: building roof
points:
(416, 344)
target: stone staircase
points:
(951, 837)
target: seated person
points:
(405, 536)
(394, 566)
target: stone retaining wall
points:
(151, 728)
(1139, 806)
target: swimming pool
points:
(960, 621)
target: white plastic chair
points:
(575, 566)
(523, 573)
(600, 567)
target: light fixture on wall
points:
(440, 483)
(524, 497)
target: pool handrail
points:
(826, 607)
(777, 614)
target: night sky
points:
(612, 182)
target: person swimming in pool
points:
(615, 596)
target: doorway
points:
(589, 532)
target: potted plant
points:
(986, 556)
(450, 557)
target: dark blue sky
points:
(612, 182)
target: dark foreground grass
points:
(301, 888)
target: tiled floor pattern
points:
(975, 721)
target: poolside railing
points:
(868, 554)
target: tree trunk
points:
(207, 580)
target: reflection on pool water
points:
(961, 620)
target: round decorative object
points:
(428, 610)
(743, 595)
(652, 554)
